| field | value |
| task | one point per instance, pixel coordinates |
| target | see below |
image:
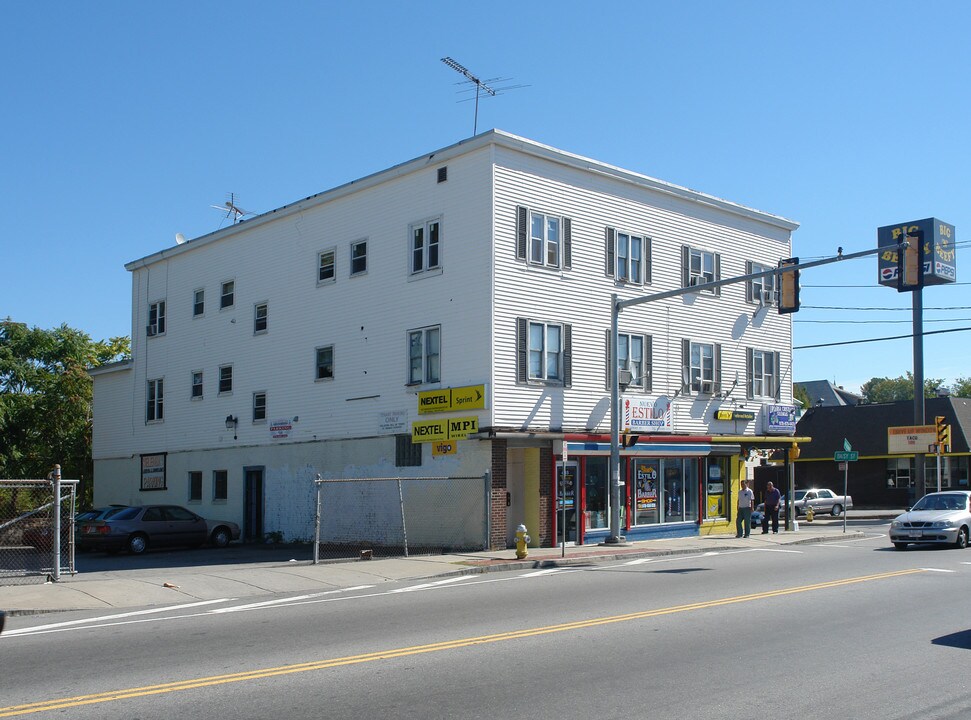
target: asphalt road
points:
(852, 628)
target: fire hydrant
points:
(809, 513)
(522, 539)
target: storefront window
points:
(690, 485)
(899, 472)
(595, 486)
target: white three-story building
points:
(450, 317)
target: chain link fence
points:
(361, 518)
(36, 530)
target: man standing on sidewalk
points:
(772, 499)
(743, 519)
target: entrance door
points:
(597, 498)
(253, 504)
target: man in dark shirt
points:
(772, 500)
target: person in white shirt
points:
(743, 518)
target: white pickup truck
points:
(821, 500)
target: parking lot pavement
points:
(177, 577)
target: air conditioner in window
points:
(152, 330)
(707, 387)
(695, 280)
(766, 298)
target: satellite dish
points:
(179, 239)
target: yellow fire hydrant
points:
(522, 539)
(809, 513)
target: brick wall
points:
(497, 539)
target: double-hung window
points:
(225, 379)
(633, 357)
(198, 302)
(227, 296)
(426, 242)
(359, 257)
(762, 369)
(325, 266)
(324, 363)
(628, 256)
(699, 267)
(543, 239)
(544, 352)
(701, 365)
(260, 318)
(154, 409)
(425, 355)
(156, 318)
(760, 290)
(196, 385)
(259, 406)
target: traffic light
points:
(788, 286)
(910, 263)
(943, 433)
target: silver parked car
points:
(940, 518)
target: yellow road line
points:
(181, 685)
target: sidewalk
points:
(173, 586)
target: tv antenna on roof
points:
(480, 86)
(232, 210)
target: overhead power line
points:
(869, 340)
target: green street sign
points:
(846, 456)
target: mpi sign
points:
(938, 252)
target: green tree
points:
(961, 388)
(800, 394)
(883, 390)
(45, 400)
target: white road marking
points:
(778, 550)
(937, 570)
(547, 571)
(428, 586)
(103, 618)
(295, 598)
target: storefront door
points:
(595, 492)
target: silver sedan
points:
(938, 518)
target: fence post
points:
(56, 539)
(317, 523)
(404, 529)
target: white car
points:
(822, 500)
(939, 518)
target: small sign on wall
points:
(153, 472)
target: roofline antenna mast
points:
(479, 85)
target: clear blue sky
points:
(124, 121)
